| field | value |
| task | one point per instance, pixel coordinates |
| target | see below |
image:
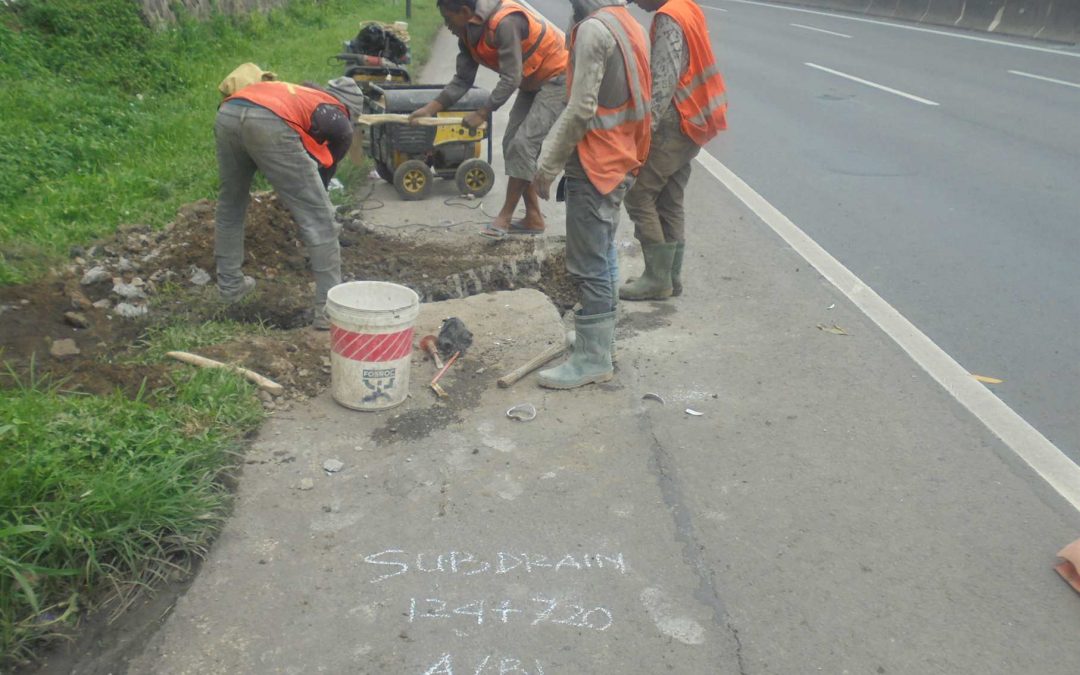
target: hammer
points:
(435, 386)
(428, 344)
(535, 362)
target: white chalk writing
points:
(507, 665)
(467, 564)
(544, 610)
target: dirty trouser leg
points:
(235, 169)
(591, 220)
(668, 154)
(669, 203)
(531, 118)
(280, 155)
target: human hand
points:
(542, 183)
(429, 110)
(473, 120)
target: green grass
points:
(108, 493)
(110, 122)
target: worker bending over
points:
(529, 54)
(601, 140)
(689, 107)
(295, 135)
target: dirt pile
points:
(86, 323)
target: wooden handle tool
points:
(203, 362)
(435, 386)
(390, 118)
(535, 362)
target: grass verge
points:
(108, 121)
(99, 495)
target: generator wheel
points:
(384, 171)
(413, 180)
(474, 177)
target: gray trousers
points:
(251, 138)
(591, 221)
(655, 203)
(531, 118)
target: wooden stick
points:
(388, 118)
(264, 383)
(532, 364)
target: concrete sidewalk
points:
(831, 510)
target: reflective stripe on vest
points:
(294, 105)
(616, 140)
(543, 52)
(700, 96)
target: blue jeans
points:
(591, 221)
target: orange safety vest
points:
(294, 105)
(700, 96)
(616, 141)
(543, 52)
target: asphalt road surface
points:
(939, 166)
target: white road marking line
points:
(1014, 431)
(1045, 79)
(958, 35)
(873, 84)
(819, 30)
(715, 9)
(1044, 458)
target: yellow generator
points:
(411, 157)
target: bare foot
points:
(501, 222)
(531, 221)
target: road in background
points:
(940, 168)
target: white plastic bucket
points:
(371, 337)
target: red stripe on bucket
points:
(371, 346)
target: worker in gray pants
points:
(295, 135)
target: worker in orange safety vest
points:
(295, 135)
(689, 107)
(529, 54)
(601, 140)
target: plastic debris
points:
(650, 396)
(522, 412)
(832, 306)
(695, 413)
(985, 379)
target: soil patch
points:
(113, 292)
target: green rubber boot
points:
(655, 282)
(676, 268)
(591, 359)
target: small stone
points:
(333, 465)
(326, 509)
(303, 372)
(306, 484)
(77, 252)
(125, 290)
(79, 299)
(266, 396)
(104, 303)
(199, 276)
(24, 302)
(63, 348)
(94, 275)
(125, 265)
(130, 311)
(76, 319)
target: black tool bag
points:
(375, 40)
